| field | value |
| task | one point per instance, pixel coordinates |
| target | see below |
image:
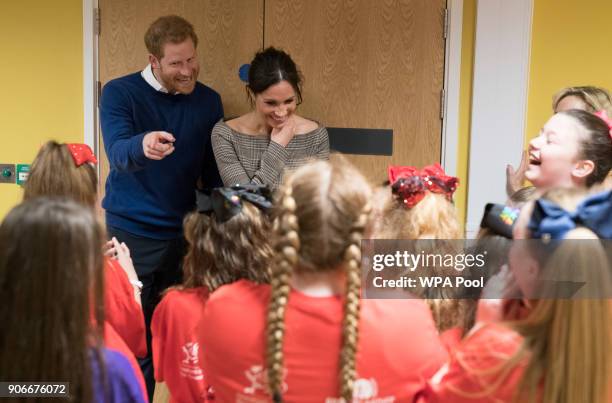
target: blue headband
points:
(551, 221)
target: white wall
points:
(499, 103)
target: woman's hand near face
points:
(284, 133)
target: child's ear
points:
(583, 168)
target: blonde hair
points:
(323, 211)
(223, 252)
(568, 340)
(54, 173)
(595, 98)
(434, 216)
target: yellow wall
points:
(41, 81)
(465, 104)
(570, 45)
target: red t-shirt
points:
(175, 346)
(399, 348)
(121, 309)
(474, 373)
(115, 342)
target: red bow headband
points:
(81, 154)
(410, 184)
(604, 116)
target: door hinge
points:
(98, 91)
(97, 22)
(445, 23)
(442, 103)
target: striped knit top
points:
(245, 158)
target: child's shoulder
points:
(238, 297)
(239, 291)
(178, 298)
(489, 342)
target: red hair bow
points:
(604, 116)
(410, 184)
(81, 154)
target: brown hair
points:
(54, 173)
(596, 144)
(223, 252)
(271, 66)
(323, 211)
(50, 285)
(168, 29)
(595, 98)
(568, 340)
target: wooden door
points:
(368, 64)
(229, 33)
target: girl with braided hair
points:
(228, 238)
(308, 336)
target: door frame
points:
(449, 154)
(90, 76)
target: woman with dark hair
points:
(259, 146)
(53, 306)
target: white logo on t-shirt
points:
(258, 376)
(364, 390)
(189, 367)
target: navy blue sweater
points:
(147, 197)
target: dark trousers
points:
(158, 265)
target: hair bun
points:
(243, 72)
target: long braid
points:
(350, 322)
(287, 249)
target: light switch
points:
(23, 170)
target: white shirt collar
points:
(148, 76)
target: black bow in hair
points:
(226, 202)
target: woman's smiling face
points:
(276, 104)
